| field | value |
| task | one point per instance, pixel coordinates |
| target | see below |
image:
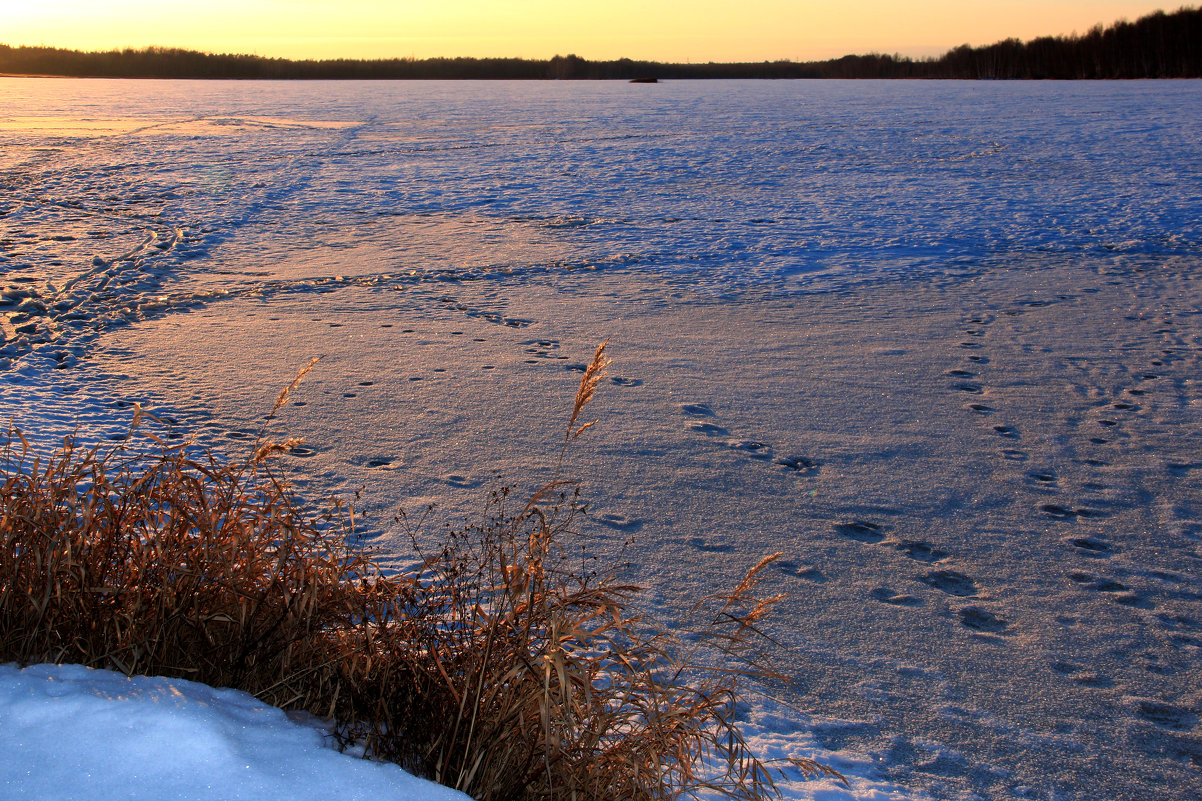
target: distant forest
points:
(1159, 45)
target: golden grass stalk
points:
(588, 386)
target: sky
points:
(660, 30)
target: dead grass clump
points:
(546, 684)
(504, 665)
(161, 564)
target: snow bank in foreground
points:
(69, 732)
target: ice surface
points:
(937, 342)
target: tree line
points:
(1159, 45)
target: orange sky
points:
(662, 30)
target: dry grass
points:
(500, 666)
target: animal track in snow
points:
(484, 314)
(619, 522)
(1042, 478)
(1080, 675)
(792, 568)
(921, 551)
(1055, 510)
(861, 531)
(709, 547)
(1091, 546)
(1166, 715)
(888, 596)
(978, 619)
(754, 449)
(703, 421)
(543, 349)
(951, 582)
(1098, 584)
(799, 464)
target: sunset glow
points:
(666, 30)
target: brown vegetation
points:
(498, 665)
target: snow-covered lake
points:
(936, 341)
(797, 184)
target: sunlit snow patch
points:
(71, 732)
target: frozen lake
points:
(798, 185)
(937, 343)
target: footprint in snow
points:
(709, 547)
(921, 551)
(978, 619)
(620, 522)
(861, 531)
(1041, 478)
(792, 568)
(951, 582)
(1166, 716)
(1134, 599)
(756, 450)
(1098, 584)
(888, 596)
(799, 464)
(1091, 546)
(1059, 512)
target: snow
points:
(70, 732)
(938, 343)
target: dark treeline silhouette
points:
(1159, 45)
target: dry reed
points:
(498, 666)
